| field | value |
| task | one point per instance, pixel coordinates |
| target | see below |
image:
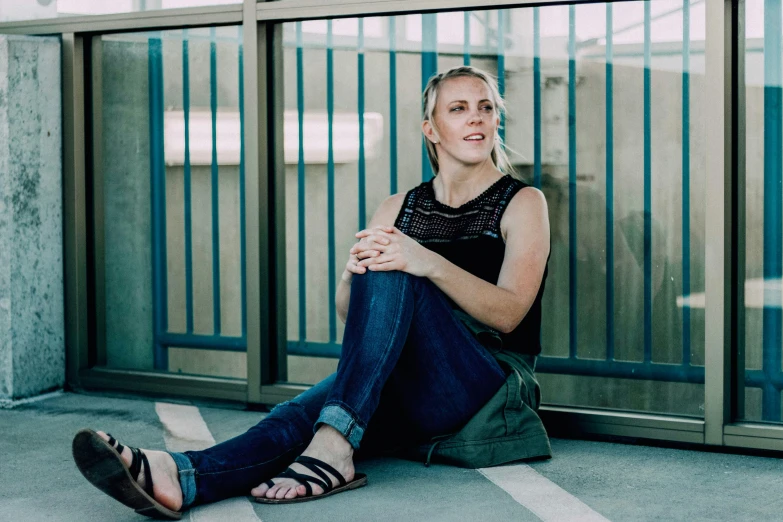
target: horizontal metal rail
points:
(136, 21)
(281, 11)
(287, 10)
(204, 342)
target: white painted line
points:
(237, 509)
(544, 498)
(185, 430)
(8, 404)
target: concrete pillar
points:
(32, 350)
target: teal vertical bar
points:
(158, 197)
(486, 29)
(610, 184)
(330, 179)
(214, 180)
(501, 58)
(300, 168)
(429, 67)
(647, 188)
(360, 90)
(466, 39)
(772, 320)
(572, 245)
(536, 97)
(242, 240)
(686, 180)
(187, 186)
(392, 105)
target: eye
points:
(457, 108)
(487, 108)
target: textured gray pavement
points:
(38, 480)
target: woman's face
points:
(467, 121)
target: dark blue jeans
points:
(409, 371)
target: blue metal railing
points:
(537, 97)
(187, 186)
(163, 338)
(392, 105)
(609, 184)
(686, 179)
(158, 196)
(360, 96)
(466, 39)
(301, 185)
(501, 65)
(772, 318)
(429, 68)
(330, 183)
(769, 378)
(647, 188)
(572, 243)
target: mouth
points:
(474, 137)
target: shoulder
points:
(527, 207)
(394, 202)
(388, 210)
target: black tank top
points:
(470, 237)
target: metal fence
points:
(769, 379)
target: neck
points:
(455, 185)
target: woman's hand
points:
(397, 251)
(365, 248)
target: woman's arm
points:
(525, 225)
(385, 215)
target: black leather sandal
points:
(318, 467)
(101, 464)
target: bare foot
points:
(165, 476)
(329, 446)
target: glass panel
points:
(173, 201)
(760, 399)
(18, 10)
(605, 115)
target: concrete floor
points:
(39, 481)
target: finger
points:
(368, 231)
(379, 259)
(354, 268)
(362, 247)
(379, 237)
(367, 253)
(384, 267)
(366, 250)
(363, 233)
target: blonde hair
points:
(429, 99)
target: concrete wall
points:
(32, 355)
(126, 178)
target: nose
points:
(475, 116)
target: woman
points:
(463, 254)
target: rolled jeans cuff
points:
(187, 478)
(340, 419)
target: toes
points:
(271, 492)
(260, 490)
(281, 493)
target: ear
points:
(429, 131)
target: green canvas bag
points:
(506, 429)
